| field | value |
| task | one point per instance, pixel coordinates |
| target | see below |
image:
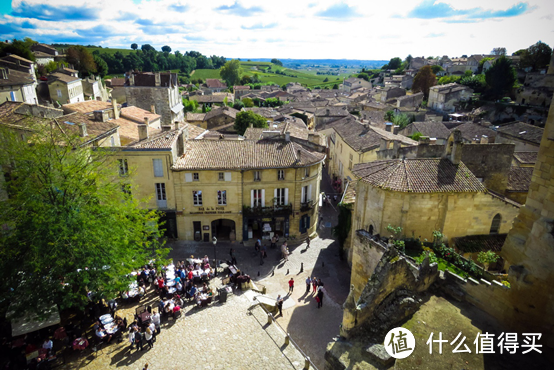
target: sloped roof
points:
(430, 128)
(57, 76)
(519, 179)
(227, 111)
(522, 131)
(245, 154)
(362, 138)
(215, 83)
(471, 130)
(526, 157)
(138, 114)
(159, 140)
(87, 106)
(420, 175)
(17, 78)
(195, 116)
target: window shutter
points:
(286, 196)
(275, 197)
(309, 192)
(227, 176)
(252, 198)
(303, 195)
(188, 177)
(263, 197)
(158, 168)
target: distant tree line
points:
(148, 59)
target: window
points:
(281, 196)
(306, 195)
(222, 197)
(59, 92)
(307, 172)
(257, 176)
(195, 176)
(350, 162)
(160, 195)
(340, 148)
(158, 167)
(197, 197)
(257, 198)
(123, 168)
(280, 174)
(221, 176)
(495, 226)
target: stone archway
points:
(222, 228)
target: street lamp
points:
(214, 240)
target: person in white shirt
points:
(131, 337)
(152, 327)
(149, 335)
(47, 344)
(156, 320)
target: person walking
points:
(138, 340)
(320, 291)
(132, 338)
(156, 320)
(233, 258)
(314, 284)
(280, 304)
(273, 242)
(291, 285)
(149, 337)
(285, 251)
(308, 284)
(145, 367)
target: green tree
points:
(537, 56)
(166, 49)
(238, 105)
(481, 64)
(500, 78)
(335, 87)
(17, 47)
(247, 118)
(408, 60)
(101, 66)
(248, 103)
(499, 51)
(363, 76)
(423, 81)
(70, 225)
(326, 79)
(277, 62)
(436, 69)
(81, 59)
(231, 72)
(134, 46)
(476, 82)
(448, 79)
(395, 63)
(416, 136)
(146, 47)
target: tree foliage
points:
(248, 103)
(245, 119)
(423, 81)
(476, 82)
(68, 228)
(134, 46)
(394, 63)
(277, 62)
(482, 63)
(81, 59)
(536, 57)
(500, 78)
(101, 66)
(166, 49)
(436, 69)
(499, 51)
(19, 48)
(231, 72)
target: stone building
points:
(65, 87)
(526, 137)
(17, 86)
(159, 90)
(433, 130)
(355, 83)
(251, 189)
(445, 98)
(215, 118)
(426, 194)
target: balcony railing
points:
(307, 206)
(267, 211)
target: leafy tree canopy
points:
(134, 46)
(147, 47)
(277, 61)
(81, 59)
(436, 68)
(19, 48)
(500, 78)
(69, 229)
(423, 81)
(231, 72)
(499, 51)
(537, 56)
(245, 119)
(166, 49)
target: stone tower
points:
(529, 248)
(551, 66)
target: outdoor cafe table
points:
(199, 273)
(170, 283)
(192, 261)
(80, 344)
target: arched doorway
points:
(495, 225)
(222, 228)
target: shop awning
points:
(31, 322)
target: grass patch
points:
(111, 51)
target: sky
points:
(312, 29)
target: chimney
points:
(115, 109)
(177, 125)
(142, 131)
(384, 144)
(424, 140)
(101, 115)
(484, 139)
(153, 109)
(157, 79)
(166, 127)
(287, 136)
(82, 129)
(388, 126)
(395, 130)
(453, 149)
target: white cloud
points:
(283, 29)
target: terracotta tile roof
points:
(526, 157)
(241, 87)
(421, 175)
(519, 179)
(294, 125)
(88, 106)
(194, 131)
(195, 116)
(137, 114)
(57, 76)
(215, 83)
(227, 111)
(7, 111)
(128, 130)
(17, 57)
(245, 154)
(471, 130)
(70, 123)
(16, 78)
(522, 131)
(429, 128)
(480, 243)
(219, 98)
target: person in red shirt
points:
(190, 275)
(291, 285)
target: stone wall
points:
(219, 120)
(413, 100)
(491, 162)
(366, 253)
(39, 111)
(161, 97)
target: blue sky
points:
(350, 29)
